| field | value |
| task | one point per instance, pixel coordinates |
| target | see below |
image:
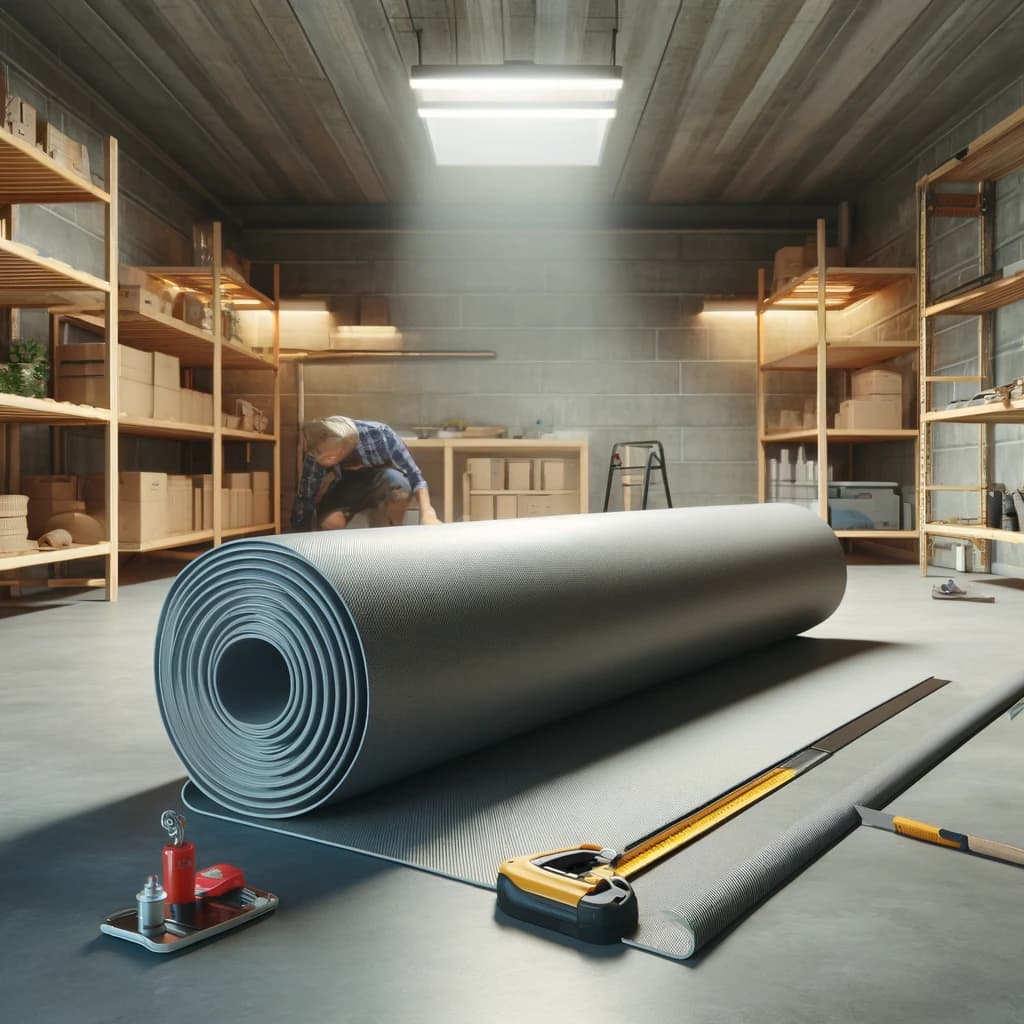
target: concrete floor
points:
(878, 929)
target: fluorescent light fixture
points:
(517, 115)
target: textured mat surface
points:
(296, 671)
(451, 645)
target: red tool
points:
(179, 861)
(218, 879)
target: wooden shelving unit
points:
(198, 348)
(31, 280)
(443, 461)
(993, 155)
(826, 293)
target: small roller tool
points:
(584, 891)
(191, 905)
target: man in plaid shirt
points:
(352, 466)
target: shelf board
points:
(842, 355)
(29, 558)
(156, 332)
(234, 287)
(175, 540)
(30, 280)
(244, 531)
(973, 532)
(991, 156)
(570, 491)
(28, 175)
(857, 283)
(46, 411)
(876, 534)
(141, 427)
(841, 436)
(983, 299)
(486, 443)
(990, 412)
(246, 435)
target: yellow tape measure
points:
(676, 836)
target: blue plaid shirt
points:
(378, 445)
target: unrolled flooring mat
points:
(978, 789)
(295, 671)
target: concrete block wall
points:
(598, 332)
(157, 207)
(886, 233)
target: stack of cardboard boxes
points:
(534, 487)
(149, 384)
(245, 499)
(152, 506)
(876, 402)
(22, 120)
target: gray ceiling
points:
(307, 101)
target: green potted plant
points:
(27, 371)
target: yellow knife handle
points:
(926, 833)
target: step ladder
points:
(654, 462)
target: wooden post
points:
(276, 492)
(762, 451)
(218, 392)
(111, 311)
(822, 381)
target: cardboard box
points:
(486, 475)
(142, 487)
(145, 298)
(206, 405)
(63, 149)
(166, 403)
(142, 506)
(206, 484)
(20, 119)
(50, 488)
(240, 481)
(247, 508)
(135, 399)
(520, 475)
(880, 412)
(197, 507)
(226, 521)
(83, 391)
(260, 480)
(530, 505)
(481, 506)
(262, 510)
(558, 475)
(179, 504)
(506, 506)
(79, 374)
(864, 383)
(135, 365)
(166, 371)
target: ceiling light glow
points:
(517, 115)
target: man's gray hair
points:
(331, 428)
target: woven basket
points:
(14, 526)
(13, 505)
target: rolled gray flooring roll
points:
(299, 670)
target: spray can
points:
(179, 859)
(151, 902)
